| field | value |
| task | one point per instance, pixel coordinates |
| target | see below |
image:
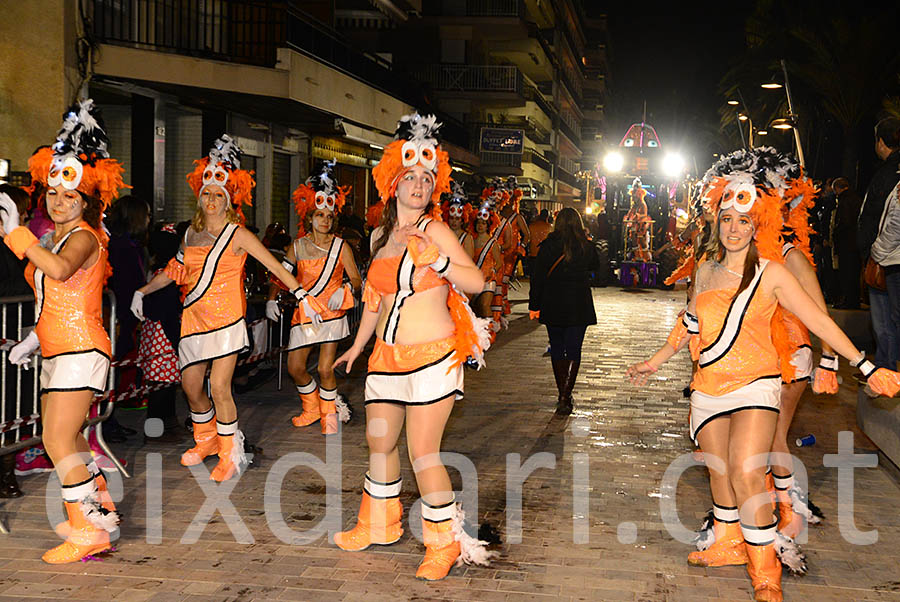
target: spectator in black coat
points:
(561, 298)
(887, 147)
(843, 240)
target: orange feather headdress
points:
(415, 143)
(319, 192)
(486, 211)
(222, 167)
(458, 206)
(509, 193)
(78, 159)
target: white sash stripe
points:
(405, 275)
(39, 277)
(334, 255)
(484, 252)
(210, 264)
(732, 326)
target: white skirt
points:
(762, 394)
(212, 345)
(75, 372)
(429, 384)
(330, 331)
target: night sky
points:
(672, 56)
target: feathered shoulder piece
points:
(415, 142)
(79, 159)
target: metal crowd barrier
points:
(20, 413)
(27, 412)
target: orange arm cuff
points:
(371, 298)
(20, 240)
(175, 271)
(678, 335)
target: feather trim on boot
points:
(343, 408)
(705, 535)
(238, 457)
(99, 516)
(790, 554)
(804, 507)
(471, 550)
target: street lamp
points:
(790, 122)
(762, 133)
(734, 102)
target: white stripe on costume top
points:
(732, 326)
(334, 255)
(484, 252)
(405, 274)
(223, 240)
(39, 276)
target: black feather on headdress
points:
(418, 127)
(226, 151)
(82, 133)
(322, 179)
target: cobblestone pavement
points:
(614, 548)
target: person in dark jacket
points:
(843, 240)
(561, 298)
(887, 147)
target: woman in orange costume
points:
(67, 269)
(488, 258)
(513, 236)
(457, 212)
(209, 268)
(425, 332)
(736, 388)
(319, 259)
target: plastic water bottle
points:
(806, 441)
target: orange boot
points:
(789, 522)
(728, 548)
(328, 411)
(765, 572)
(379, 519)
(311, 403)
(441, 547)
(89, 525)
(103, 496)
(204, 436)
(232, 459)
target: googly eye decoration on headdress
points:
(760, 182)
(79, 159)
(320, 191)
(416, 143)
(458, 205)
(222, 167)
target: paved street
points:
(628, 436)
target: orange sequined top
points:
(751, 354)
(382, 280)
(213, 297)
(487, 263)
(71, 310)
(308, 273)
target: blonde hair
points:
(199, 220)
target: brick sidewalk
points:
(629, 437)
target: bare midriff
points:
(424, 316)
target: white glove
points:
(336, 299)
(273, 312)
(20, 355)
(311, 313)
(137, 305)
(9, 213)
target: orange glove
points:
(534, 315)
(825, 376)
(885, 382)
(422, 258)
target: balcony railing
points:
(569, 125)
(489, 159)
(530, 156)
(495, 8)
(565, 176)
(241, 31)
(473, 78)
